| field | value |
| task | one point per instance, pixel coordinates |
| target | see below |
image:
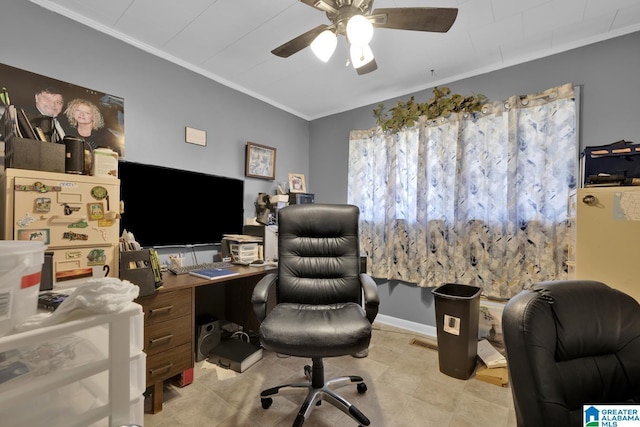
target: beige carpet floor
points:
(405, 389)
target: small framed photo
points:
(296, 183)
(95, 211)
(260, 161)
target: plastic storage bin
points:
(457, 317)
(244, 253)
(20, 275)
(89, 371)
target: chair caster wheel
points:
(266, 402)
(362, 387)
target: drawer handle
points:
(160, 310)
(164, 338)
(164, 368)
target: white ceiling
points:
(230, 41)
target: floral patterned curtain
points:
(479, 199)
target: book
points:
(235, 354)
(10, 122)
(25, 125)
(156, 267)
(40, 134)
(212, 273)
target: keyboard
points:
(185, 269)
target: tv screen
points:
(173, 207)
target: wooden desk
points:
(170, 319)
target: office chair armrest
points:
(371, 298)
(261, 294)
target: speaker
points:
(209, 335)
(73, 155)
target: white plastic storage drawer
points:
(62, 406)
(85, 372)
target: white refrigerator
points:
(607, 236)
(76, 216)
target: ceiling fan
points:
(355, 20)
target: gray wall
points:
(162, 98)
(607, 73)
(610, 89)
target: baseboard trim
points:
(429, 331)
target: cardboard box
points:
(22, 153)
(496, 376)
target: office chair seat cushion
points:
(316, 330)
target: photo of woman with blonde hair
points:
(97, 117)
(87, 122)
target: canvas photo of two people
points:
(62, 109)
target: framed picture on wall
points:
(260, 161)
(296, 183)
(41, 96)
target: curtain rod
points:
(538, 96)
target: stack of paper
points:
(490, 356)
(242, 238)
(495, 371)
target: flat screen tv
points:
(173, 207)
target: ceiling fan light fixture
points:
(359, 30)
(324, 45)
(360, 55)
(355, 19)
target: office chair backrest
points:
(318, 254)
(570, 343)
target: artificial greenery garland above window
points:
(405, 114)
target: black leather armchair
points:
(570, 343)
(318, 310)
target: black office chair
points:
(570, 343)
(318, 310)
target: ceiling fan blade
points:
(297, 44)
(323, 5)
(433, 19)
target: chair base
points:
(317, 391)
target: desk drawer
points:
(164, 306)
(165, 335)
(169, 363)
